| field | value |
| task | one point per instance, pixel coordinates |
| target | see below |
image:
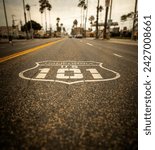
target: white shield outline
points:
(117, 75)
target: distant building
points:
(77, 30)
(13, 31)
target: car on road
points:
(79, 36)
(70, 36)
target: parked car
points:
(79, 36)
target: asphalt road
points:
(81, 95)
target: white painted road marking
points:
(89, 44)
(95, 73)
(76, 75)
(61, 73)
(117, 55)
(41, 76)
(97, 76)
(43, 73)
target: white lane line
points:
(117, 55)
(89, 44)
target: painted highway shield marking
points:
(43, 73)
(69, 72)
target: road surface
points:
(76, 94)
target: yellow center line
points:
(3, 59)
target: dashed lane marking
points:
(117, 55)
(89, 44)
(3, 59)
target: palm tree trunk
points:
(27, 36)
(105, 23)
(83, 16)
(133, 28)
(81, 22)
(42, 20)
(31, 30)
(97, 19)
(86, 18)
(45, 21)
(50, 22)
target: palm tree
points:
(100, 8)
(57, 24)
(31, 29)
(58, 19)
(61, 26)
(41, 11)
(85, 16)
(43, 5)
(64, 29)
(75, 23)
(91, 19)
(84, 12)
(123, 17)
(81, 5)
(49, 8)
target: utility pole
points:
(106, 17)
(134, 19)
(25, 19)
(97, 19)
(6, 19)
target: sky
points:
(66, 10)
